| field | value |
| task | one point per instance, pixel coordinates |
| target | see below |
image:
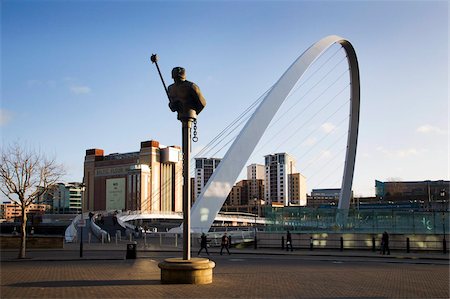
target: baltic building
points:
(149, 180)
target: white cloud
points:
(75, 87)
(429, 129)
(80, 89)
(41, 83)
(366, 155)
(327, 127)
(407, 152)
(5, 117)
(324, 155)
(398, 153)
(310, 141)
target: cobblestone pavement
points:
(235, 276)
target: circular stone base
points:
(193, 271)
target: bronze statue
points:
(185, 97)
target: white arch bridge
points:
(212, 197)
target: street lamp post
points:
(256, 215)
(81, 223)
(444, 241)
(81, 227)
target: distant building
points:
(13, 211)
(204, 168)
(256, 177)
(149, 180)
(280, 188)
(324, 197)
(46, 198)
(297, 185)
(434, 194)
(239, 200)
(239, 194)
(67, 198)
(2, 212)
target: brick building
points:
(13, 211)
(149, 180)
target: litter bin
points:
(131, 250)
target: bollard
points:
(373, 244)
(256, 243)
(131, 250)
(282, 242)
(116, 237)
(176, 240)
(131, 237)
(103, 238)
(444, 246)
(407, 245)
(89, 237)
(311, 243)
(145, 239)
(160, 239)
(342, 244)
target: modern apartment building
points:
(256, 178)
(67, 198)
(281, 187)
(204, 168)
(239, 194)
(149, 180)
(297, 185)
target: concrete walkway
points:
(246, 273)
(111, 251)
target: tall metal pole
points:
(186, 123)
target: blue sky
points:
(76, 74)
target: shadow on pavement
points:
(82, 283)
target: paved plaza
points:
(243, 274)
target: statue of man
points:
(185, 97)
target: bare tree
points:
(25, 175)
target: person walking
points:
(385, 243)
(203, 244)
(289, 241)
(224, 243)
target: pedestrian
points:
(224, 243)
(385, 243)
(203, 244)
(289, 241)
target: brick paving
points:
(239, 275)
